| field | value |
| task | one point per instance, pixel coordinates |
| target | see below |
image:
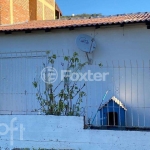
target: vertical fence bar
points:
(21, 80)
(125, 91)
(149, 84)
(101, 99)
(86, 106)
(26, 100)
(119, 94)
(15, 78)
(131, 107)
(144, 90)
(0, 79)
(107, 90)
(137, 92)
(113, 91)
(12, 87)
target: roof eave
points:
(76, 26)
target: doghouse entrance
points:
(112, 118)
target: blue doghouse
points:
(112, 113)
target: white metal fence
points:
(128, 81)
(17, 72)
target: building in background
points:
(18, 11)
(58, 12)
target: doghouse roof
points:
(116, 101)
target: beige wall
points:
(44, 12)
(4, 11)
(17, 11)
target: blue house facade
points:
(112, 113)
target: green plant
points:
(66, 97)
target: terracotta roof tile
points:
(118, 19)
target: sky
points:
(105, 7)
